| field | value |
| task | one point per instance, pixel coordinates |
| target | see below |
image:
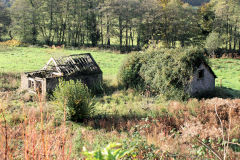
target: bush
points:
(213, 42)
(129, 73)
(75, 97)
(163, 71)
(11, 43)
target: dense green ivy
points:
(162, 71)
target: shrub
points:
(129, 73)
(11, 43)
(97, 88)
(75, 97)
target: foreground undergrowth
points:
(151, 127)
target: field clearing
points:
(227, 71)
(22, 59)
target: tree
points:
(4, 20)
(24, 21)
(93, 31)
(227, 21)
(106, 16)
(178, 23)
(207, 18)
(213, 42)
(124, 15)
(125, 23)
(149, 22)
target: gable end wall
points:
(207, 83)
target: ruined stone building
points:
(76, 67)
(203, 80)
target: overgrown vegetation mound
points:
(74, 99)
(162, 71)
(129, 73)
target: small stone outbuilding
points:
(74, 67)
(203, 80)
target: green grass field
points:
(22, 59)
(227, 71)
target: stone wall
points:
(25, 85)
(198, 85)
(89, 80)
(49, 84)
(24, 82)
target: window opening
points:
(30, 84)
(201, 74)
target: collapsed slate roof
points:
(83, 64)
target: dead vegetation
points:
(30, 133)
(186, 128)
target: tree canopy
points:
(125, 24)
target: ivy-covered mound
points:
(162, 71)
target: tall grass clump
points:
(163, 71)
(75, 97)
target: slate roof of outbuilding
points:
(74, 64)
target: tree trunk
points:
(101, 29)
(239, 45)
(230, 38)
(138, 37)
(131, 36)
(10, 35)
(34, 30)
(182, 43)
(51, 22)
(235, 37)
(63, 33)
(108, 32)
(120, 32)
(227, 31)
(126, 38)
